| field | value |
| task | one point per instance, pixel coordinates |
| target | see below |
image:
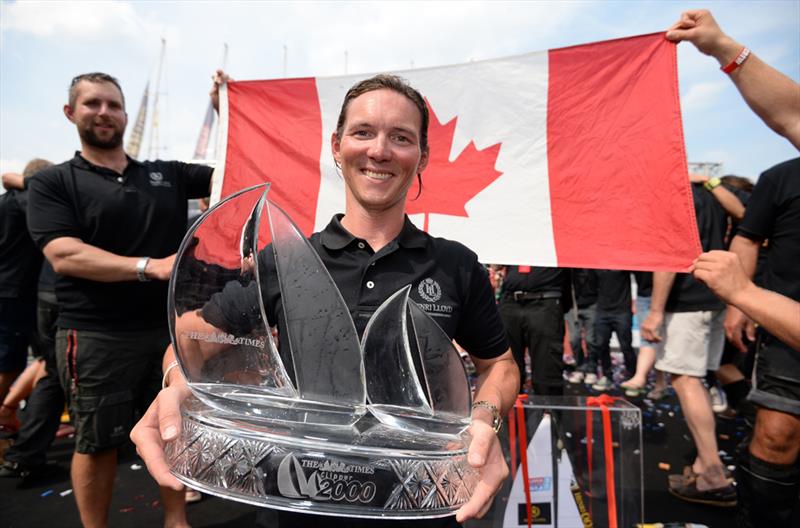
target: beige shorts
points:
(692, 342)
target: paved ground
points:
(47, 502)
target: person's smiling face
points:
(99, 114)
(379, 150)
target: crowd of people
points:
(87, 247)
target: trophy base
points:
(368, 470)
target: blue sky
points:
(44, 44)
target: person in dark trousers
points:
(614, 316)
(580, 319)
(532, 308)
(110, 226)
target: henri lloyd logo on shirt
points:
(157, 180)
(431, 291)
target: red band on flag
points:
(610, 144)
(278, 131)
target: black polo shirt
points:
(584, 282)
(688, 294)
(774, 213)
(535, 279)
(445, 277)
(613, 291)
(20, 259)
(139, 213)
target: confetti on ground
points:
(664, 466)
(126, 510)
(724, 437)
(136, 467)
(65, 492)
(138, 497)
(155, 504)
(46, 493)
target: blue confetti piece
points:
(46, 493)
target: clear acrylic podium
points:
(576, 462)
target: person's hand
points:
(485, 455)
(699, 27)
(697, 178)
(219, 78)
(160, 268)
(651, 326)
(738, 327)
(723, 273)
(159, 425)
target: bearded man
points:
(110, 227)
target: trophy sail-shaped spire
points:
(224, 354)
(392, 379)
(446, 378)
(415, 378)
(320, 334)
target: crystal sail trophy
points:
(288, 408)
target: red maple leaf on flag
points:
(448, 185)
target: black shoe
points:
(14, 470)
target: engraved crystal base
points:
(368, 470)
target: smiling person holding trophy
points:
(383, 267)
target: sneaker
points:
(590, 378)
(719, 402)
(603, 384)
(575, 377)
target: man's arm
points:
(73, 257)
(729, 201)
(722, 271)
(662, 284)
(13, 180)
(773, 96)
(737, 326)
(498, 380)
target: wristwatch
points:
(497, 421)
(141, 265)
(712, 183)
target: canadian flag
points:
(572, 157)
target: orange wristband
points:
(735, 63)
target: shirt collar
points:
(335, 236)
(81, 162)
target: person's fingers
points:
(736, 338)
(150, 447)
(750, 330)
(477, 505)
(482, 438)
(169, 413)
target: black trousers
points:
(537, 325)
(42, 414)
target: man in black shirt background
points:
(769, 476)
(532, 308)
(110, 226)
(19, 269)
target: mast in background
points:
(135, 139)
(153, 146)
